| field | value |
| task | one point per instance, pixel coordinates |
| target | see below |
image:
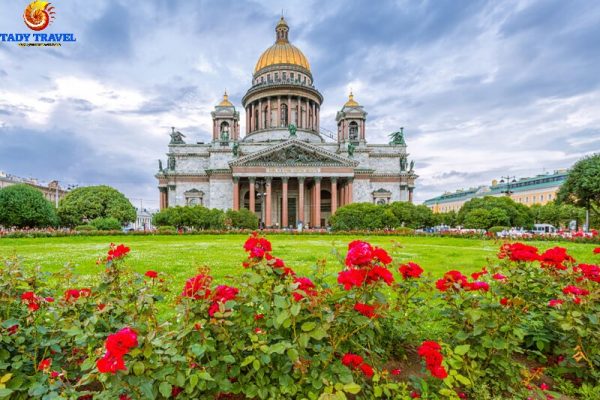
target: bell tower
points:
(226, 126)
(351, 122)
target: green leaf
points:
(247, 361)
(165, 389)
(295, 309)
(318, 333)
(256, 365)
(229, 359)
(205, 376)
(5, 392)
(462, 349)
(138, 368)
(351, 388)
(308, 326)
(146, 389)
(463, 379)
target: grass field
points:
(179, 256)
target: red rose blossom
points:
(352, 360)
(499, 277)
(518, 252)
(151, 274)
(352, 278)
(44, 364)
(576, 291)
(410, 270)
(556, 258)
(430, 351)
(367, 370)
(555, 303)
(504, 301)
(597, 250)
(197, 287)
(396, 371)
(366, 310)
(117, 252)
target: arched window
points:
(225, 127)
(284, 115)
(353, 130)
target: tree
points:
(477, 219)
(87, 203)
(519, 215)
(366, 216)
(582, 186)
(23, 206)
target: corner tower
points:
(282, 93)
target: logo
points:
(38, 15)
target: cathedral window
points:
(194, 197)
(291, 75)
(284, 76)
(276, 76)
(284, 115)
(353, 126)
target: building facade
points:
(52, 191)
(285, 168)
(539, 189)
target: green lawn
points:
(179, 256)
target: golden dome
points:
(351, 102)
(225, 102)
(282, 52)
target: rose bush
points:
(379, 328)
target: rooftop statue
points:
(412, 166)
(235, 149)
(292, 129)
(398, 137)
(160, 166)
(403, 163)
(176, 137)
(351, 148)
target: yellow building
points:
(539, 189)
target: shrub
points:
(106, 224)
(496, 229)
(276, 334)
(166, 229)
(23, 206)
(85, 228)
(242, 219)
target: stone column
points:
(318, 202)
(236, 193)
(268, 221)
(318, 118)
(278, 111)
(333, 195)
(342, 194)
(260, 115)
(289, 109)
(301, 200)
(252, 195)
(350, 191)
(247, 120)
(251, 117)
(284, 202)
(410, 194)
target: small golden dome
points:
(351, 102)
(282, 52)
(225, 102)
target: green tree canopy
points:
(518, 215)
(195, 217)
(243, 218)
(23, 206)
(87, 203)
(582, 186)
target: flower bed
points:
(525, 326)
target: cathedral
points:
(285, 168)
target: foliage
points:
(242, 219)
(447, 218)
(370, 216)
(23, 206)
(582, 186)
(277, 334)
(485, 212)
(167, 229)
(496, 229)
(87, 203)
(557, 214)
(194, 217)
(85, 228)
(106, 224)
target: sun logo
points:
(38, 15)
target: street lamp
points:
(508, 183)
(260, 185)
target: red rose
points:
(352, 360)
(258, 316)
(117, 252)
(589, 271)
(256, 246)
(367, 370)
(197, 287)
(33, 302)
(13, 329)
(121, 342)
(518, 252)
(576, 291)
(451, 280)
(306, 288)
(410, 270)
(151, 274)
(378, 273)
(477, 275)
(415, 395)
(44, 364)
(597, 250)
(477, 285)
(366, 310)
(382, 256)
(555, 303)
(396, 371)
(110, 364)
(430, 351)
(352, 277)
(175, 391)
(499, 277)
(359, 253)
(556, 258)
(221, 295)
(504, 301)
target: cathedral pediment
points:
(294, 153)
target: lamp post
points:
(508, 183)
(259, 185)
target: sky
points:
(483, 89)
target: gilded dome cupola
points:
(282, 52)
